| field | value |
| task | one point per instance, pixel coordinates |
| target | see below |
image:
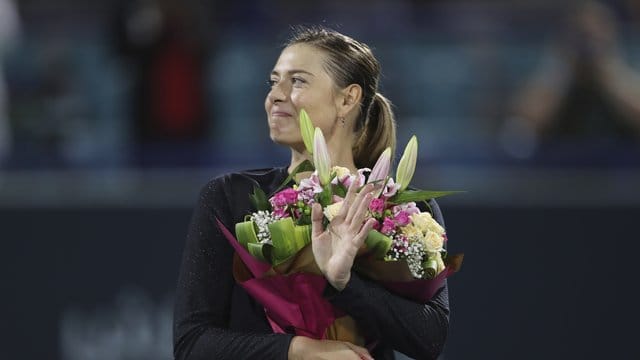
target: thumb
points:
(316, 220)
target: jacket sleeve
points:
(417, 330)
(204, 291)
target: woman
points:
(335, 79)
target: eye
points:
(271, 82)
(298, 80)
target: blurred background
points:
(114, 114)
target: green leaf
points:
(418, 195)
(430, 267)
(302, 236)
(325, 198)
(260, 251)
(378, 243)
(287, 240)
(246, 233)
(259, 199)
(340, 190)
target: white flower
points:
(262, 219)
(425, 222)
(340, 171)
(311, 183)
(411, 231)
(433, 241)
(332, 210)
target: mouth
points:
(280, 114)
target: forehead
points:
(301, 57)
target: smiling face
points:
(300, 81)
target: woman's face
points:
(299, 81)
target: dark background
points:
(98, 176)
(525, 291)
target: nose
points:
(277, 93)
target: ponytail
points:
(377, 133)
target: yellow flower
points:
(340, 171)
(433, 241)
(433, 226)
(421, 221)
(425, 222)
(332, 210)
(411, 231)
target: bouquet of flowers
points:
(404, 252)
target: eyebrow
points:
(294, 71)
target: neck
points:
(340, 154)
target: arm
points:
(417, 330)
(204, 292)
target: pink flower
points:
(410, 208)
(360, 178)
(376, 226)
(346, 180)
(307, 196)
(388, 226)
(381, 168)
(280, 213)
(285, 197)
(390, 189)
(376, 206)
(402, 218)
(311, 183)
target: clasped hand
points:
(336, 247)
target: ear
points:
(349, 99)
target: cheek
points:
(267, 103)
(299, 100)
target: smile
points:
(280, 114)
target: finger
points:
(353, 208)
(348, 200)
(362, 352)
(360, 213)
(361, 236)
(316, 220)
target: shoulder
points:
(232, 189)
(259, 177)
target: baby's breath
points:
(410, 249)
(262, 219)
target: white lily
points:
(407, 164)
(381, 168)
(321, 159)
(306, 129)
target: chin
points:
(288, 141)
